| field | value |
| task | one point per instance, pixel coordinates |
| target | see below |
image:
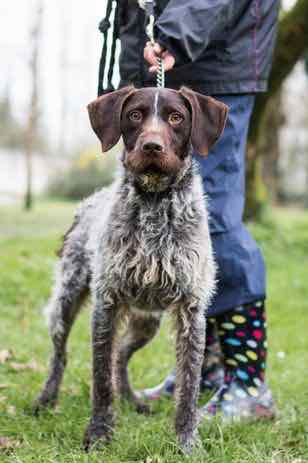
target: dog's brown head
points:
(158, 126)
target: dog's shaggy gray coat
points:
(142, 247)
(141, 256)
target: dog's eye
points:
(175, 118)
(135, 116)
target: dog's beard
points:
(153, 182)
(157, 173)
(149, 176)
(157, 182)
(164, 164)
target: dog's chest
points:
(156, 256)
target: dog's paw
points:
(140, 406)
(42, 403)
(97, 436)
(136, 403)
(188, 442)
(143, 408)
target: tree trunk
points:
(270, 144)
(31, 130)
(292, 42)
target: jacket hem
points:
(208, 88)
(219, 87)
(231, 87)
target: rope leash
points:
(160, 75)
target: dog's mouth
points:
(142, 166)
(153, 169)
(153, 173)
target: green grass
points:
(27, 254)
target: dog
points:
(142, 247)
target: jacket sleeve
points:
(185, 26)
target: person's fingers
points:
(153, 69)
(168, 62)
(158, 49)
(152, 52)
(149, 55)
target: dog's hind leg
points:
(70, 290)
(139, 332)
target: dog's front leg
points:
(103, 330)
(189, 351)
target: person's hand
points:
(152, 52)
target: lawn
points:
(27, 254)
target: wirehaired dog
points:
(142, 247)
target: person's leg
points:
(241, 273)
(244, 394)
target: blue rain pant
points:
(241, 270)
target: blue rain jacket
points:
(220, 46)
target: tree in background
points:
(274, 119)
(11, 132)
(291, 46)
(32, 125)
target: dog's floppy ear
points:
(105, 116)
(208, 119)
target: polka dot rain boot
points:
(212, 370)
(244, 394)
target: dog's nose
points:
(152, 147)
